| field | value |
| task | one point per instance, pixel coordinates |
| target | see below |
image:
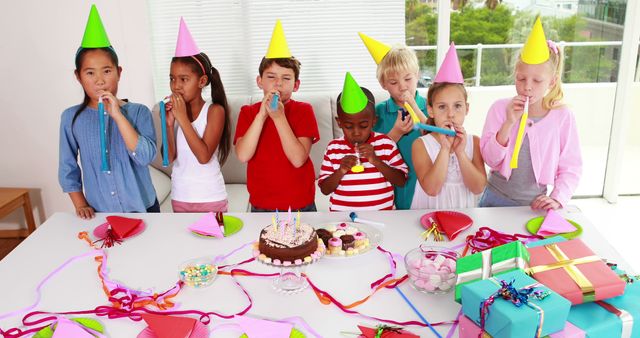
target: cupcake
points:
(335, 246)
(360, 238)
(342, 226)
(339, 233)
(347, 242)
(324, 235)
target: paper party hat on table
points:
(123, 226)
(377, 49)
(208, 225)
(256, 327)
(450, 69)
(278, 48)
(163, 326)
(185, 46)
(94, 34)
(353, 99)
(385, 332)
(535, 50)
(66, 328)
(554, 224)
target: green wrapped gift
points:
(485, 264)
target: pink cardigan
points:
(554, 144)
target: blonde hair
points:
(553, 98)
(398, 59)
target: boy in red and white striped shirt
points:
(371, 188)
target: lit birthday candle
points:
(298, 219)
(102, 117)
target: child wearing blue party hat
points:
(114, 138)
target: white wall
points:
(39, 41)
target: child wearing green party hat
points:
(361, 168)
(114, 139)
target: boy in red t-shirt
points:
(275, 137)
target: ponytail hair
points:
(553, 99)
(80, 54)
(201, 65)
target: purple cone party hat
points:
(95, 35)
(450, 68)
(185, 46)
(535, 50)
(278, 48)
(377, 49)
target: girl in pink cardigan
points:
(550, 151)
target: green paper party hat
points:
(353, 99)
(94, 34)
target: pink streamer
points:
(392, 264)
(487, 238)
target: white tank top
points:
(191, 181)
(454, 193)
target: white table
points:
(151, 260)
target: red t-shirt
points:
(273, 182)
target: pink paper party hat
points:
(185, 46)
(554, 224)
(67, 328)
(208, 226)
(450, 69)
(256, 327)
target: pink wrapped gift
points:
(574, 271)
(468, 329)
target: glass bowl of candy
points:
(198, 273)
(431, 269)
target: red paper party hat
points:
(453, 223)
(123, 226)
(371, 332)
(169, 326)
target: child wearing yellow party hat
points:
(361, 168)
(531, 140)
(449, 169)
(275, 136)
(115, 139)
(398, 73)
(202, 140)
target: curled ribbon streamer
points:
(517, 297)
(569, 265)
(487, 238)
(392, 264)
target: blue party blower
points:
(274, 101)
(102, 118)
(165, 139)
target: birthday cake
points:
(287, 244)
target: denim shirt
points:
(387, 113)
(127, 187)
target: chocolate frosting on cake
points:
(288, 242)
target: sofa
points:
(235, 172)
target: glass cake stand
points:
(291, 280)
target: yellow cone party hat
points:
(535, 50)
(377, 49)
(278, 48)
(94, 34)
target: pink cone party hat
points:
(185, 46)
(450, 69)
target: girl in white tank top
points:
(450, 170)
(202, 139)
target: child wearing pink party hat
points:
(398, 73)
(449, 169)
(202, 142)
(531, 140)
(274, 136)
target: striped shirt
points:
(368, 190)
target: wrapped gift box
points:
(504, 318)
(571, 269)
(468, 329)
(615, 317)
(550, 240)
(487, 263)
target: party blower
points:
(102, 117)
(354, 218)
(417, 125)
(163, 123)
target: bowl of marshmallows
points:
(431, 269)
